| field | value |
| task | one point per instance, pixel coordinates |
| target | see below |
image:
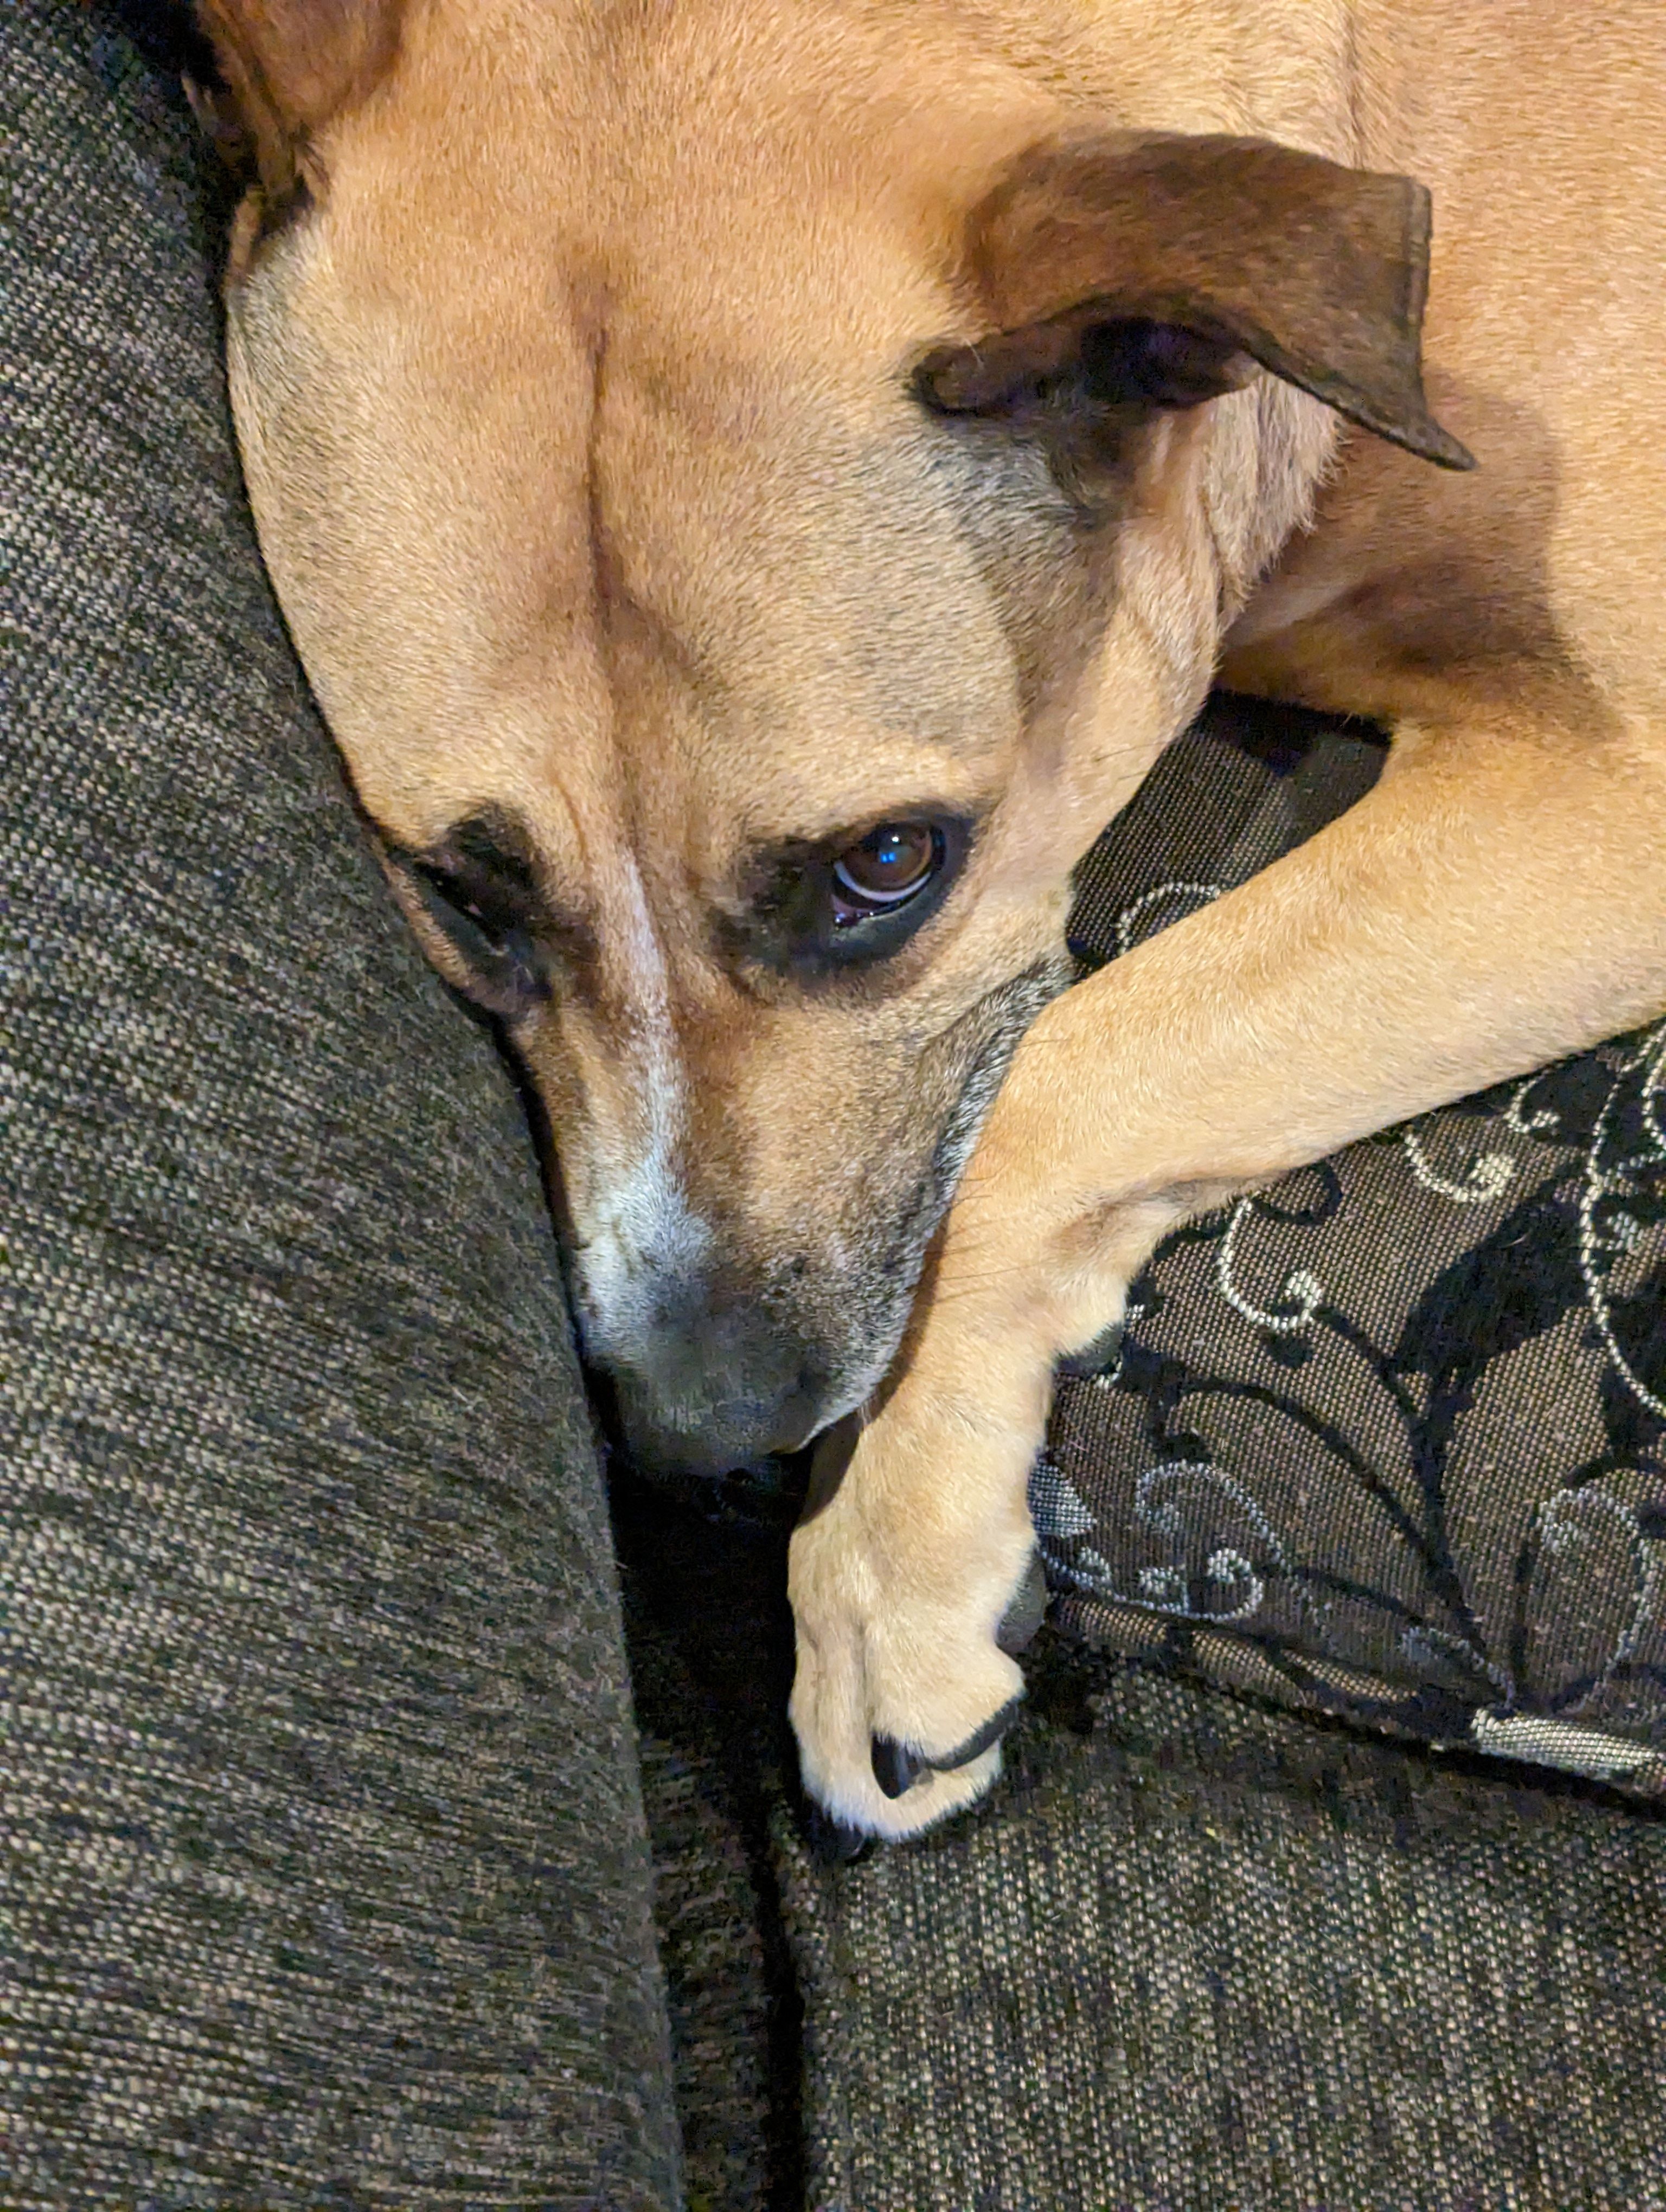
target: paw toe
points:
(834, 1843)
(895, 1768)
(981, 1739)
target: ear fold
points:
(286, 68)
(1184, 254)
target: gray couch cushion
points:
(1199, 1954)
(326, 1877)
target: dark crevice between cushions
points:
(703, 1566)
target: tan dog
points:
(755, 484)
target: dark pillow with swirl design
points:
(1388, 1439)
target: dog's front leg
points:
(917, 1534)
(1497, 900)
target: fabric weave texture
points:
(326, 1873)
(1202, 1955)
(325, 1879)
(1388, 1439)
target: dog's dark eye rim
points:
(470, 905)
(792, 922)
(484, 920)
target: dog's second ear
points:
(283, 69)
(1161, 267)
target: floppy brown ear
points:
(1199, 251)
(285, 68)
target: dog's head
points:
(753, 489)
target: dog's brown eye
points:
(891, 864)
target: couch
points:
(399, 1808)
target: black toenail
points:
(832, 1843)
(1028, 1609)
(895, 1768)
(994, 1727)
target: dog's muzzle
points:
(719, 1383)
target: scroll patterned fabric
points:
(1386, 1438)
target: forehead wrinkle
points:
(830, 529)
(738, 736)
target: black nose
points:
(718, 1383)
(711, 1439)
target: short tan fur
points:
(690, 435)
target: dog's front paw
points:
(908, 1575)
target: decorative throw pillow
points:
(1386, 1438)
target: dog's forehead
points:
(578, 421)
(721, 186)
(541, 540)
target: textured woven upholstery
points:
(325, 1875)
(1207, 1956)
(324, 1861)
(1389, 1438)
